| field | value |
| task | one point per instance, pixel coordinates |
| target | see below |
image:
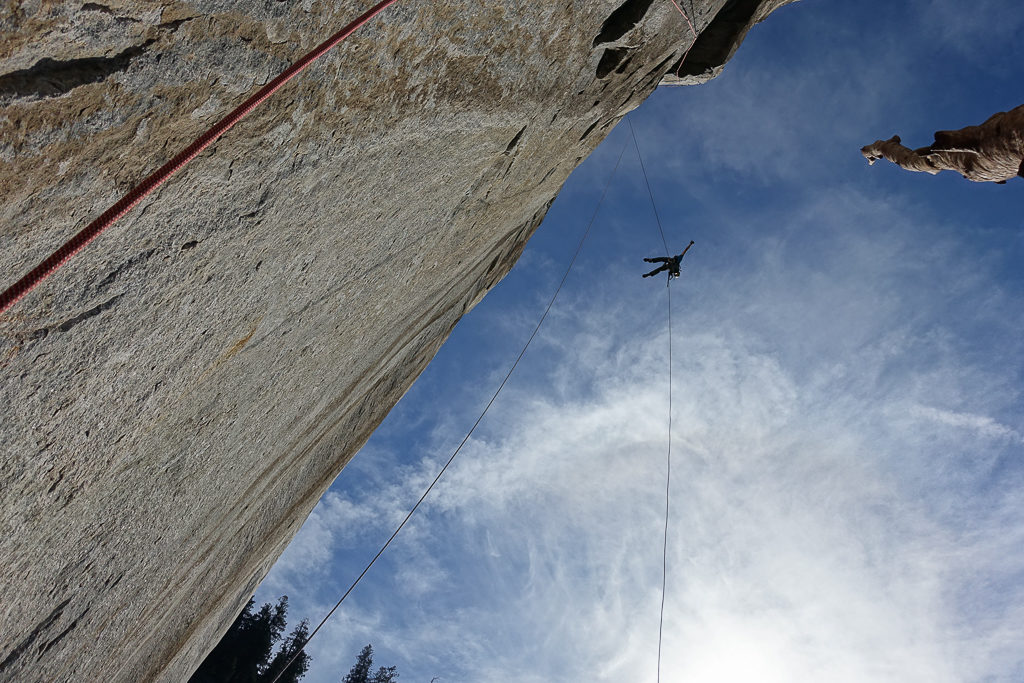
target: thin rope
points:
(668, 485)
(648, 183)
(692, 43)
(50, 264)
(472, 429)
(668, 467)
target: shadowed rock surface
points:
(179, 396)
(992, 152)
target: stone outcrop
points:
(722, 31)
(992, 152)
(179, 396)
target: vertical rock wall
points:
(180, 395)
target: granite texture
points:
(179, 396)
(992, 152)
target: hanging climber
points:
(669, 263)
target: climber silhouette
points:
(669, 263)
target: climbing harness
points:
(668, 464)
(48, 266)
(472, 429)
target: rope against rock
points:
(692, 30)
(50, 264)
(472, 429)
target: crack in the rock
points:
(112, 277)
(611, 58)
(515, 142)
(718, 40)
(589, 130)
(622, 20)
(43, 649)
(91, 313)
(103, 9)
(174, 25)
(53, 78)
(96, 7)
(658, 71)
(36, 632)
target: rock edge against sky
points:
(182, 393)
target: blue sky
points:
(848, 484)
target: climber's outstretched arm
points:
(686, 250)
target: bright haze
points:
(847, 498)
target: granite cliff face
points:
(180, 395)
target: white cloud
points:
(762, 123)
(979, 31)
(982, 425)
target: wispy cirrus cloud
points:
(979, 31)
(982, 425)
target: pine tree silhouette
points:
(246, 652)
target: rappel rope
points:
(668, 464)
(487, 407)
(643, 168)
(50, 264)
(668, 488)
(692, 43)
